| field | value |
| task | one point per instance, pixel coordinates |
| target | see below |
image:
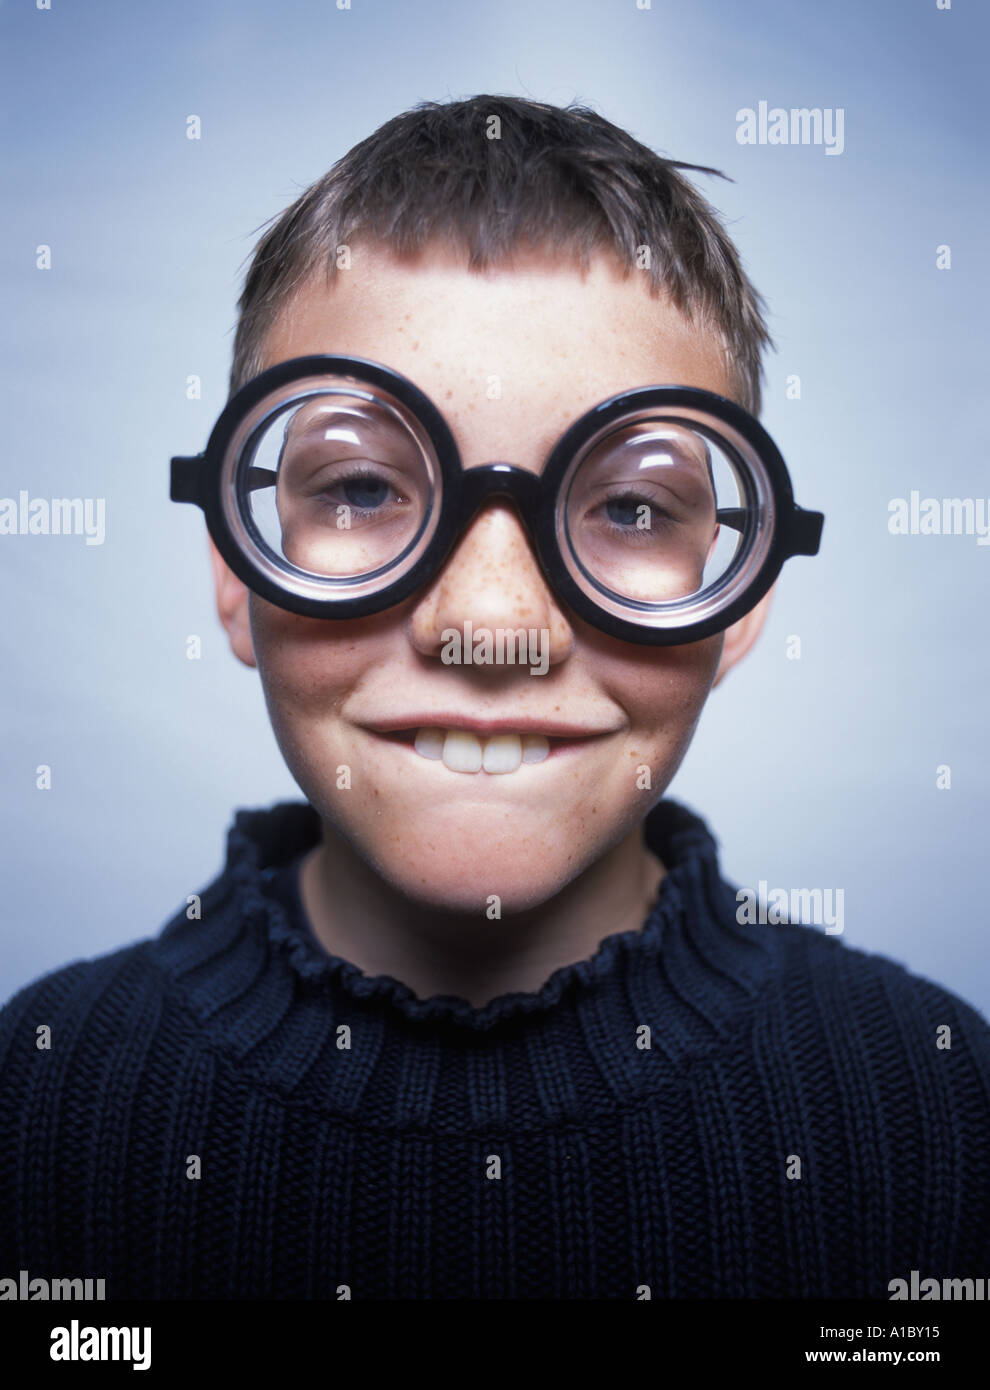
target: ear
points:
(741, 636)
(232, 607)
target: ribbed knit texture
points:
(371, 1165)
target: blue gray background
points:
(817, 772)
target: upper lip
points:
(520, 724)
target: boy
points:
(479, 1019)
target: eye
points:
(626, 509)
(369, 491)
(361, 489)
(626, 513)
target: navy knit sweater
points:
(700, 1109)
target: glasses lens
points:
(661, 511)
(339, 484)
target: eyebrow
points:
(381, 428)
(328, 415)
(373, 428)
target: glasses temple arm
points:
(735, 517)
(804, 530)
(260, 477)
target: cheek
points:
(663, 689)
(307, 666)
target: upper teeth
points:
(463, 751)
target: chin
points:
(466, 895)
(448, 877)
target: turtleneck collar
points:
(689, 966)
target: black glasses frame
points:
(197, 479)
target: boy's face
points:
(557, 343)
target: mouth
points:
(466, 751)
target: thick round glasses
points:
(332, 486)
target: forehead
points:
(511, 356)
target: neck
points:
(357, 915)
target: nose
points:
(492, 579)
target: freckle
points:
(415, 345)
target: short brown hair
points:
(563, 178)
